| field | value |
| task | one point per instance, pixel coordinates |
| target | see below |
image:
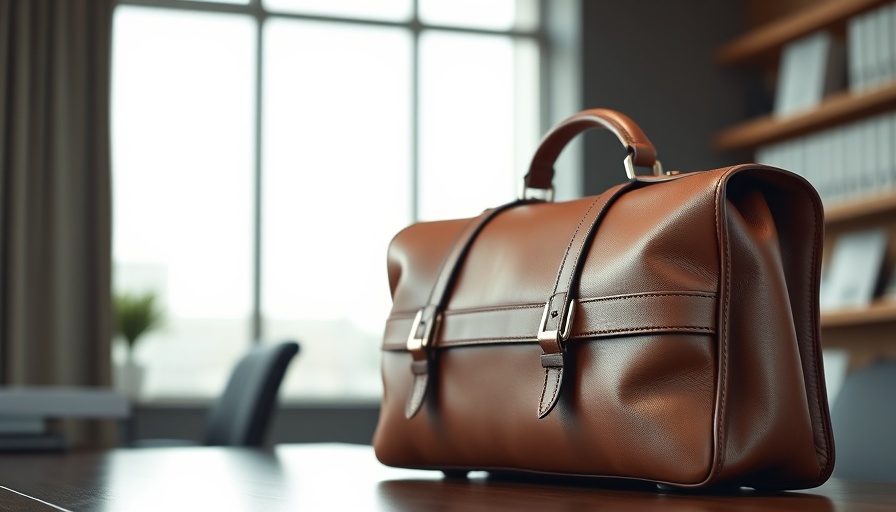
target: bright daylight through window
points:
(264, 156)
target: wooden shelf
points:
(879, 312)
(836, 109)
(859, 208)
(768, 39)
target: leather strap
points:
(541, 171)
(671, 311)
(427, 319)
(556, 321)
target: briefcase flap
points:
(653, 266)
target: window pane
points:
(183, 131)
(336, 189)
(479, 121)
(394, 10)
(491, 14)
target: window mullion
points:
(257, 327)
(415, 113)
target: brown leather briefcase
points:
(666, 330)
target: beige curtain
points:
(55, 306)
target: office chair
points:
(864, 422)
(241, 415)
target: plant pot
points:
(128, 378)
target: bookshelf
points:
(763, 43)
(882, 311)
(835, 110)
(859, 209)
(867, 332)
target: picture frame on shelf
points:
(851, 276)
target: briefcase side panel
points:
(773, 420)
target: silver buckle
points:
(540, 194)
(416, 343)
(565, 327)
(630, 167)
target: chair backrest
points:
(864, 422)
(241, 416)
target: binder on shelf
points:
(876, 52)
(883, 148)
(891, 168)
(850, 178)
(891, 14)
(810, 68)
(871, 48)
(884, 19)
(830, 163)
(868, 176)
(839, 164)
(854, 41)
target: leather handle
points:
(541, 171)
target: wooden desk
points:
(346, 478)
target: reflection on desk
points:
(348, 478)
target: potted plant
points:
(135, 315)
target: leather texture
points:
(691, 356)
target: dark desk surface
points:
(346, 478)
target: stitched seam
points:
(495, 338)
(723, 329)
(487, 341)
(544, 388)
(643, 329)
(556, 385)
(586, 333)
(811, 346)
(640, 295)
(489, 309)
(405, 314)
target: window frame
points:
(557, 36)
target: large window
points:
(265, 152)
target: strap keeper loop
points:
(552, 360)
